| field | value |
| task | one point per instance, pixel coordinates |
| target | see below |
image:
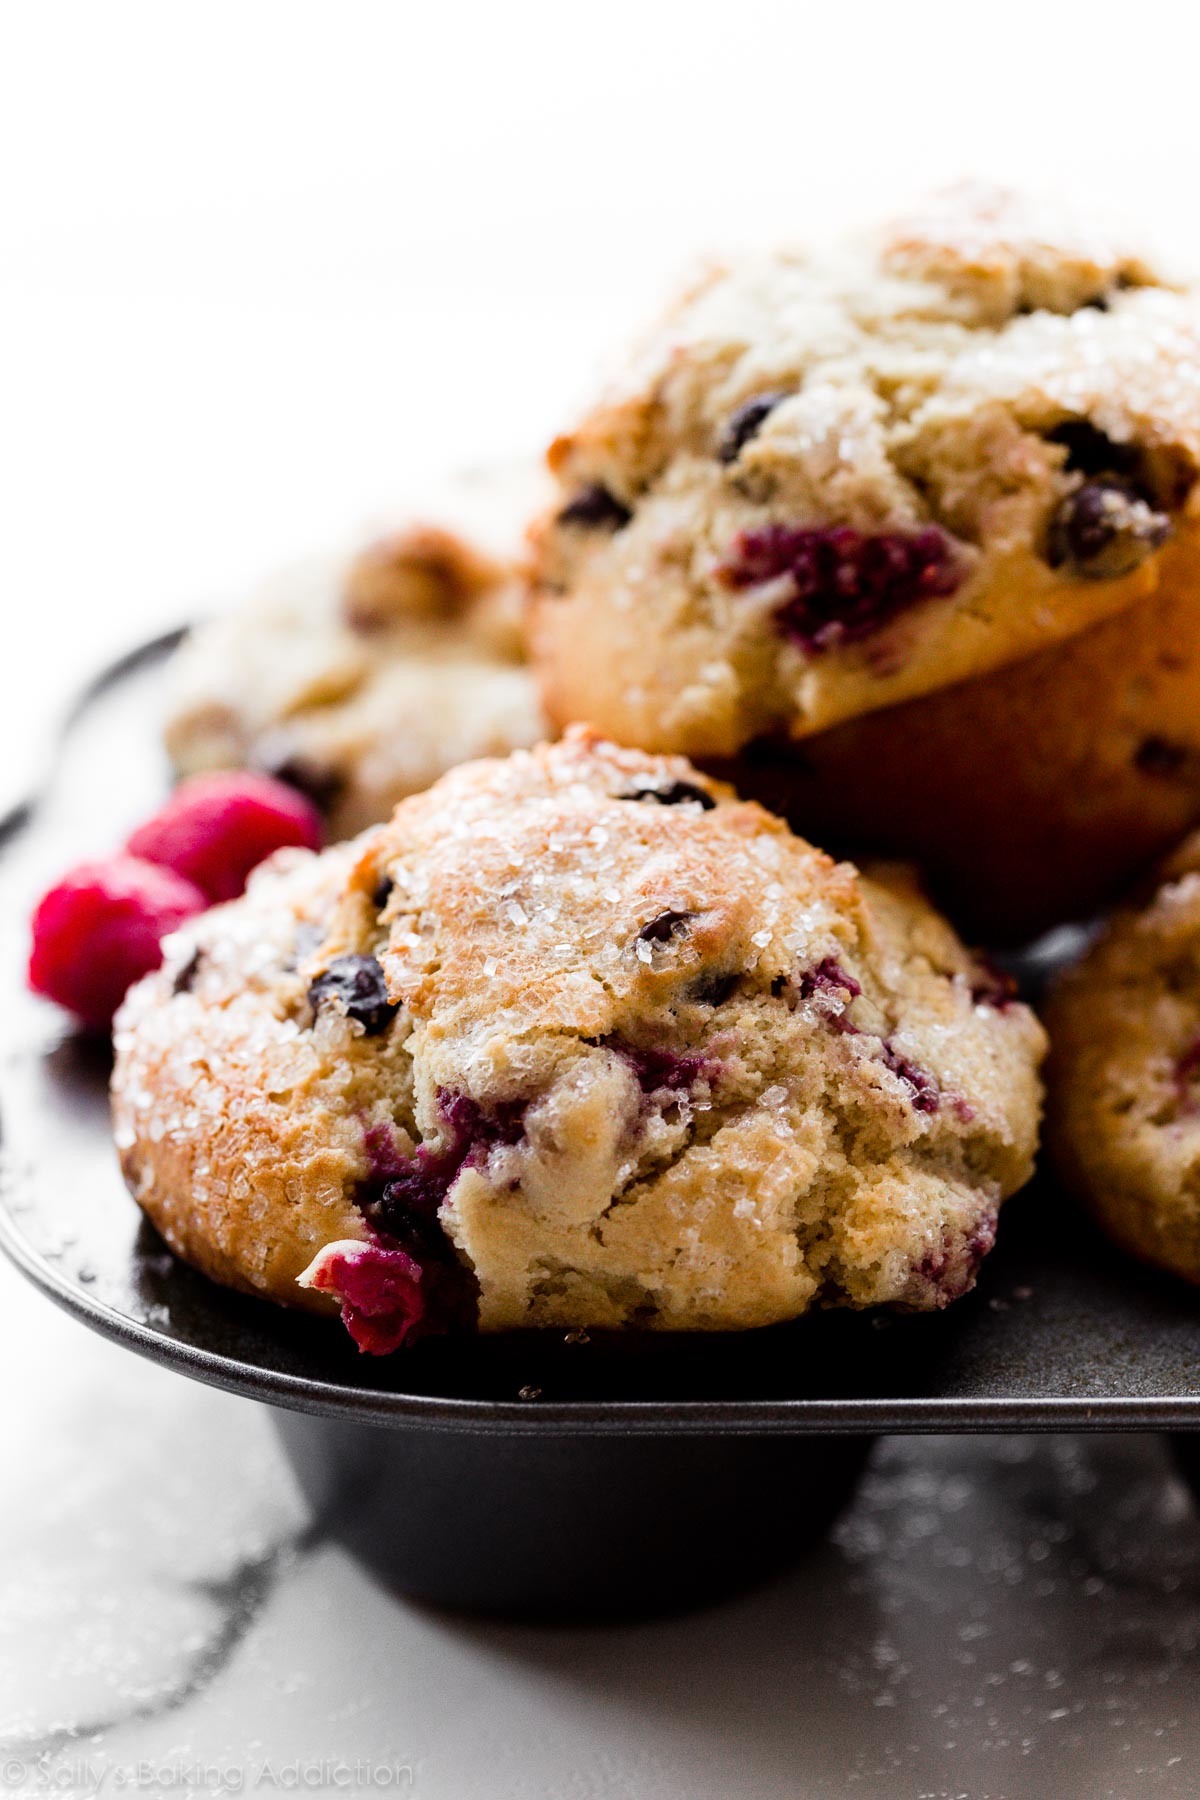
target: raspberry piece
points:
(839, 586)
(403, 1194)
(658, 1070)
(829, 977)
(400, 1200)
(950, 1271)
(216, 828)
(924, 1091)
(379, 1289)
(100, 929)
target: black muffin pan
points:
(529, 1473)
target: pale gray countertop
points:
(1014, 1617)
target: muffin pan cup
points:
(566, 1527)
(533, 1473)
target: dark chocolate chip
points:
(746, 423)
(712, 989)
(1159, 756)
(356, 985)
(673, 793)
(1105, 530)
(185, 977)
(595, 507)
(1091, 451)
(665, 927)
(323, 786)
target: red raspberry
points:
(379, 1288)
(100, 929)
(216, 828)
(839, 585)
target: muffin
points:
(362, 683)
(577, 1039)
(1030, 796)
(831, 482)
(1124, 1102)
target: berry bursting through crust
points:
(839, 586)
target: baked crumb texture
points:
(583, 1040)
(362, 682)
(1031, 795)
(1124, 1118)
(830, 482)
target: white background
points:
(269, 267)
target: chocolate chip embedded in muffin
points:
(745, 422)
(594, 507)
(673, 793)
(1091, 451)
(665, 926)
(1157, 755)
(319, 783)
(356, 986)
(1105, 530)
(184, 978)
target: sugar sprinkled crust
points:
(637, 1053)
(1124, 1110)
(238, 1132)
(362, 682)
(830, 482)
